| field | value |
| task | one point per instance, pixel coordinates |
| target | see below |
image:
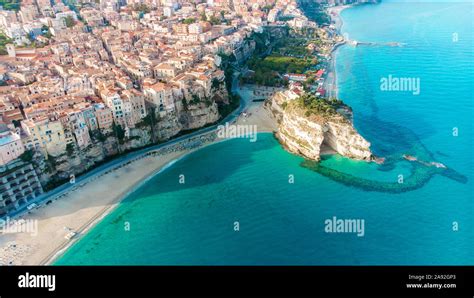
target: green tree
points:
(189, 21)
(119, 132)
(69, 21)
(141, 7)
(215, 84)
(99, 136)
(51, 162)
(215, 20)
(195, 99)
(70, 149)
(185, 104)
(150, 120)
(10, 4)
(4, 40)
(27, 156)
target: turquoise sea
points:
(283, 223)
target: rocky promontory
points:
(308, 125)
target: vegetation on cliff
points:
(295, 45)
(314, 11)
(234, 99)
(4, 40)
(312, 105)
(278, 53)
(281, 64)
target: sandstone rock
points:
(305, 134)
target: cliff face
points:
(301, 136)
(309, 133)
(198, 115)
(345, 140)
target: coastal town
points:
(144, 142)
(83, 83)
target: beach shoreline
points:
(97, 218)
(82, 207)
(330, 83)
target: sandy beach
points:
(255, 114)
(86, 204)
(330, 83)
(335, 14)
(77, 210)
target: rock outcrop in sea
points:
(307, 125)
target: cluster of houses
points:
(109, 63)
(32, 18)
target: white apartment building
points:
(11, 146)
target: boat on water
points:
(410, 157)
(395, 44)
(354, 43)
